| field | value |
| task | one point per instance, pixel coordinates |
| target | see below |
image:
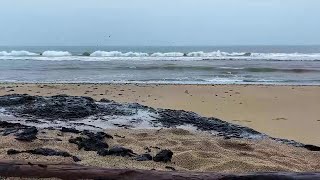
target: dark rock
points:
(144, 157)
(63, 107)
(12, 151)
(172, 118)
(99, 135)
(163, 156)
(70, 130)
(121, 151)
(93, 141)
(89, 144)
(312, 147)
(28, 134)
(44, 152)
(86, 54)
(171, 168)
(48, 152)
(106, 100)
(14, 99)
(9, 131)
(60, 106)
(76, 159)
(103, 152)
(4, 124)
(247, 54)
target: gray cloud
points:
(159, 22)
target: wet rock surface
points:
(119, 151)
(81, 112)
(163, 156)
(92, 141)
(22, 132)
(144, 157)
(28, 134)
(54, 107)
(70, 130)
(44, 152)
(172, 118)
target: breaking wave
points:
(56, 53)
(17, 53)
(117, 55)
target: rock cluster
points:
(76, 108)
(92, 141)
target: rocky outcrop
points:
(79, 112)
(21, 132)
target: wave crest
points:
(198, 55)
(17, 53)
(56, 53)
(118, 54)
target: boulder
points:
(163, 156)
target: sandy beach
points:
(280, 111)
(198, 152)
(289, 112)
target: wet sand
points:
(290, 112)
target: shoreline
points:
(166, 84)
(288, 112)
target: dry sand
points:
(290, 112)
(192, 152)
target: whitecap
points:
(56, 53)
(17, 53)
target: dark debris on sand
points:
(44, 152)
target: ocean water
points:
(299, 65)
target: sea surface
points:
(298, 65)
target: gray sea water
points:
(298, 65)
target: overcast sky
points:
(159, 22)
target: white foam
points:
(118, 54)
(56, 53)
(141, 119)
(17, 53)
(168, 54)
(177, 56)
